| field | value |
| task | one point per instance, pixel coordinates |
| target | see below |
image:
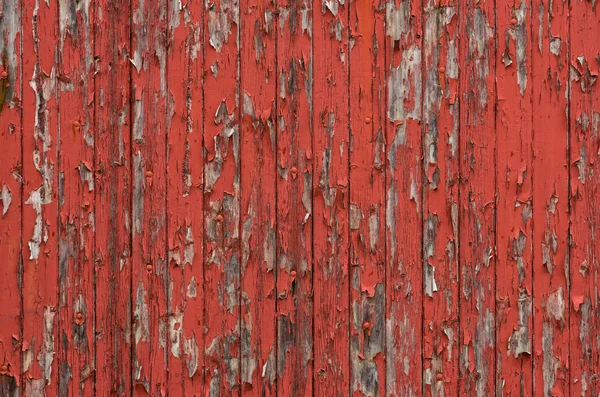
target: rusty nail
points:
(439, 376)
(294, 172)
(3, 75)
(366, 325)
(4, 368)
(79, 318)
(442, 69)
(293, 274)
(513, 21)
(149, 268)
(367, 120)
(219, 218)
(149, 174)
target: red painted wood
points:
(294, 199)
(222, 197)
(76, 191)
(150, 277)
(478, 201)
(551, 198)
(367, 200)
(584, 254)
(514, 170)
(258, 346)
(185, 198)
(40, 200)
(404, 276)
(441, 201)
(331, 199)
(11, 172)
(113, 188)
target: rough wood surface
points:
(299, 198)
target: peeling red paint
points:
(297, 198)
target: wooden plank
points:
(331, 199)
(76, 343)
(113, 187)
(11, 139)
(294, 199)
(514, 287)
(149, 260)
(477, 208)
(258, 347)
(550, 197)
(40, 195)
(222, 197)
(441, 201)
(367, 198)
(404, 278)
(185, 198)
(581, 46)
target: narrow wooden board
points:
(583, 64)
(404, 276)
(150, 279)
(258, 145)
(222, 175)
(441, 202)
(294, 199)
(367, 198)
(76, 191)
(185, 198)
(40, 200)
(477, 191)
(113, 189)
(514, 170)
(11, 197)
(331, 198)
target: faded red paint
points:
(299, 198)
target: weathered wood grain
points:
(150, 278)
(185, 197)
(580, 54)
(11, 184)
(404, 275)
(258, 223)
(478, 201)
(76, 192)
(294, 167)
(113, 189)
(441, 101)
(514, 170)
(367, 198)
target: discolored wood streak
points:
(581, 56)
(299, 198)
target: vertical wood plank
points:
(330, 198)
(258, 148)
(76, 199)
(584, 264)
(404, 279)
(550, 197)
(222, 197)
(185, 198)
(514, 287)
(112, 256)
(441, 202)
(149, 261)
(294, 199)
(11, 197)
(477, 198)
(367, 198)
(40, 195)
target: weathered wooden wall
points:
(299, 198)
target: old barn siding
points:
(299, 198)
